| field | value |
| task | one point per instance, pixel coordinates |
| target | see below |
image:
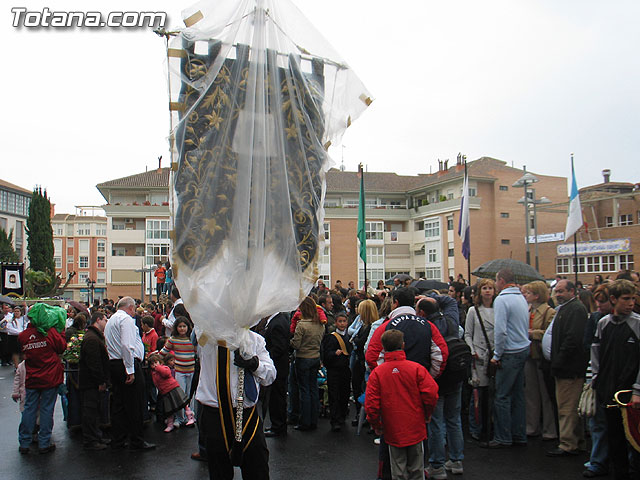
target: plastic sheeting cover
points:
(257, 95)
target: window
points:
(419, 226)
(532, 222)
(57, 247)
(101, 229)
(504, 214)
(449, 195)
(83, 277)
(472, 192)
(83, 262)
(593, 264)
(626, 262)
(18, 234)
(84, 229)
(375, 255)
(58, 262)
(432, 273)
(419, 274)
(101, 262)
(608, 263)
(432, 228)
(140, 251)
(3, 223)
(58, 230)
(325, 279)
(562, 265)
(156, 253)
(504, 188)
(102, 246)
(83, 247)
(118, 251)
(608, 221)
(373, 275)
(331, 203)
(4, 201)
(449, 223)
(157, 229)
(373, 230)
(505, 241)
(351, 203)
(325, 258)
(70, 259)
(371, 203)
(432, 255)
(326, 230)
(626, 219)
(117, 225)
(582, 264)
(101, 277)
(450, 249)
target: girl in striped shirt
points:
(180, 344)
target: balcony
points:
(126, 236)
(125, 263)
(444, 207)
(136, 211)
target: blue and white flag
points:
(574, 221)
(463, 224)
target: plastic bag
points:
(43, 317)
(257, 97)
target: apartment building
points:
(412, 221)
(137, 214)
(14, 210)
(80, 245)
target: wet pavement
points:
(320, 454)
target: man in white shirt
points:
(217, 415)
(126, 351)
(169, 321)
(7, 316)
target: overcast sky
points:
(527, 82)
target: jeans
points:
(184, 380)
(45, 401)
(510, 420)
(307, 374)
(446, 428)
(599, 460)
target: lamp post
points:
(534, 202)
(524, 182)
(90, 286)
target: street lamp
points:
(90, 287)
(533, 201)
(524, 181)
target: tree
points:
(7, 253)
(40, 234)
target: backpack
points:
(459, 360)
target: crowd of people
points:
(499, 361)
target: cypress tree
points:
(7, 253)
(40, 233)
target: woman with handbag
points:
(479, 336)
(539, 405)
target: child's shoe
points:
(170, 426)
(191, 418)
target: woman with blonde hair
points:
(306, 342)
(478, 334)
(368, 314)
(539, 404)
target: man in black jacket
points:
(276, 334)
(568, 366)
(93, 379)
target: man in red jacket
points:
(400, 398)
(44, 374)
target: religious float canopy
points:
(257, 97)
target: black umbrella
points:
(402, 277)
(9, 300)
(423, 285)
(79, 306)
(523, 273)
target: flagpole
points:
(575, 255)
(466, 176)
(362, 235)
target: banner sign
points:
(620, 245)
(12, 278)
(547, 237)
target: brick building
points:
(14, 210)
(80, 245)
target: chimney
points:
(446, 164)
(439, 165)
(606, 173)
(459, 159)
(160, 162)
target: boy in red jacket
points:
(400, 398)
(45, 373)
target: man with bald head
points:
(568, 366)
(126, 352)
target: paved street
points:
(316, 455)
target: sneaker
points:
(454, 467)
(170, 428)
(191, 422)
(23, 450)
(436, 473)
